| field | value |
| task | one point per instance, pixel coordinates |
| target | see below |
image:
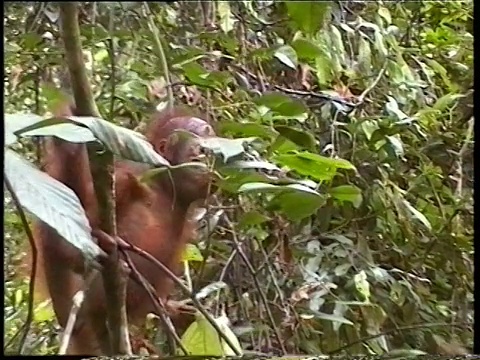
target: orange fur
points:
(153, 217)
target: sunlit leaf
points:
(227, 20)
(287, 56)
(349, 193)
(302, 138)
(282, 104)
(201, 338)
(362, 285)
(306, 49)
(192, 253)
(51, 202)
(417, 215)
(308, 15)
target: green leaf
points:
(44, 312)
(201, 338)
(349, 193)
(287, 56)
(227, 20)
(198, 75)
(268, 188)
(396, 145)
(330, 317)
(226, 148)
(306, 49)
(379, 45)
(299, 137)
(282, 104)
(417, 215)
(247, 129)
(445, 101)
(15, 122)
(337, 46)
(317, 166)
(364, 55)
(385, 14)
(258, 165)
(296, 201)
(210, 288)
(252, 218)
(121, 141)
(362, 285)
(324, 70)
(308, 15)
(58, 127)
(342, 269)
(297, 205)
(192, 253)
(51, 202)
(369, 127)
(392, 108)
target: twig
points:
(263, 297)
(77, 302)
(157, 304)
(33, 272)
(130, 247)
(375, 82)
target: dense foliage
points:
(367, 105)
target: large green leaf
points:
(226, 148)
(296, 201)
(248, 129)
(349, 193)
(52, 202)
(306, 49)
(308, 15)
(14, 122)
(121, 141)
(309, 164)
(287, 56)
(282, 104)
(297, 136)
(201, 338)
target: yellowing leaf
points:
(192, 253)
(201, 338)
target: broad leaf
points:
(297, 205)
(308, 15)
(192, 253)
(296, 201)
(282, 104)
(331, 317)
(226, 148)
(248, 129)
(417, 215)
(287, 56)
(210, 288)
(267, 188)
(15, 122)
(121, 141)
(52, 202)
(362, 285)
(349, 193)
(306, 49)
(299, 137)
(317, 166)
(201, 338)
(261, 165)
(227, 20)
